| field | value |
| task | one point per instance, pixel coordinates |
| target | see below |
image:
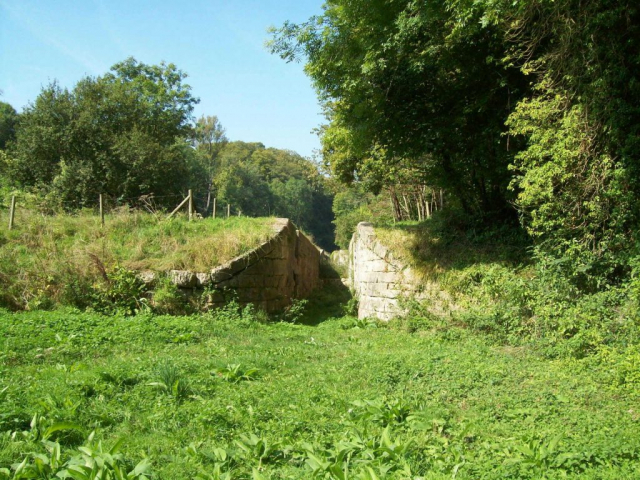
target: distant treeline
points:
(131, 136)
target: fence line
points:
(188, 200)
(12, 211)
(101, 213)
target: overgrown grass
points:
(225, 394)
(444, 243)
(45, 258)
(501, 286)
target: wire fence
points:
(153, 204)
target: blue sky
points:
(218, 43)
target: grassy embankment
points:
(513, 299)
(53, 259)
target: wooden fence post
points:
(214, 207)
(228, 210)
(190, 205)
(101, 212)
(178, 207)
(12, 211)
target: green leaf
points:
(61, 426)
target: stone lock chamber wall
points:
(380, 281)
(270, 276)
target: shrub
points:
(167, 298)
(233, 312)
(294, 312)
(123, 292)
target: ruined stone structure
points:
(340, 259)
(270, 276)
(380, 281)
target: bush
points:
(167, 298)
(124, 293)
(233, 312)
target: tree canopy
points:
(398, 81)
(122, 134)
(131, 136)
(529, 107)
(260, 181)
(8, 120)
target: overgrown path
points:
(288, 400)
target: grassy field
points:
(224, 396)
(45, 255)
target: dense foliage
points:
(130, 136)
(532, 104)
(259, 181)
(398, 83)
(578, 175)
(8, 120)
(118, 134)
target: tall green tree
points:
(241, 186)
(409, 81)
(209, 139)
(8, 120)
(122, 134)
(268, 181)
(293, 199)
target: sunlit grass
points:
(183, 394)
(44, 251)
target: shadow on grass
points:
(448, 242)
(325, 303)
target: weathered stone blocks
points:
(285, 267)
(381, 281)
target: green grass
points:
(223, 393)
(46, 254)
(436, 247)
(514, 294)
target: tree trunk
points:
(397, 214)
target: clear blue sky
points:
(218, 43)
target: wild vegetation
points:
(532, 104)
(503, 292)
(494, 144)
(225, 395)
(47, 260)
(130, 135)
(517, 122)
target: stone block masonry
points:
(380, 281)
(285, 267)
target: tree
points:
(241, 186)
(268, 181)
(577, 179)
(122, 134)
(412, 81)
(293, 199)
(209, 139)
(8, 120)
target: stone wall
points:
(269, 276)
(380, 281)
